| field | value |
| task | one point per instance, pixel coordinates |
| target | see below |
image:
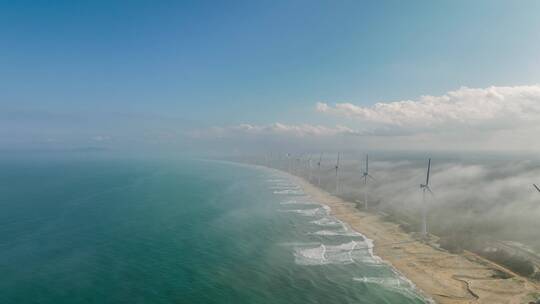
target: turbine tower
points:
(289, 163)
(319, 169)
(425, 187)
(337, 176)
(366, 175)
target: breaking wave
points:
(398, 284)
(288, 191)
(321, 211)
(327, 221)
(327, 254)
(355, 248)
(350, 233)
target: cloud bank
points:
(490, 108)
(275, 129)
(493, 118)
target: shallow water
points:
(113, 231)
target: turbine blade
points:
(538, 189)
(431, 192)
(428, 169)
(367, 163)
(373, 178)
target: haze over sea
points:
(132, 231)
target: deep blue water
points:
(132, 231)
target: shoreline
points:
(438, 275)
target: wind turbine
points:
(365, 175)
(289, 162)
(337, 177)
(319, 169)
(425, 187)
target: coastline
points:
(440, 276)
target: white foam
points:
(370, 261)
(288, 191)
(387, 282)
(299, 244)
(412, 290)
(398, 284)
(276, 180)
(355, 251)
(346, 230)
(321, 211)
(284, 187)
(311, 256)
(323, 254)
(278, 183)
(369, 243)
(297, 202)
(346, 253)
(327, 221)
(289, 202)
(337, 233)
(285, 184)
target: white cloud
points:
(493, 118)
(488, 108)
(302, 130)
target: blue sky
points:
(197, 64)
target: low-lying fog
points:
(490, 198)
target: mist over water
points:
(113, 231)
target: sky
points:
(230, 74)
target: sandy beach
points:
(442, 276)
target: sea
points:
(100, 230)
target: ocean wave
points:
(350, 233)
(285, 185)
(309, 212)
(387, 282)
(356, 251)
(298, 202)
(285, 188)
(327, 221)
(288, 191)
(276, 180)
(398, 284)
(345, 253)
(344, 229)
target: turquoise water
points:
(109, 231)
